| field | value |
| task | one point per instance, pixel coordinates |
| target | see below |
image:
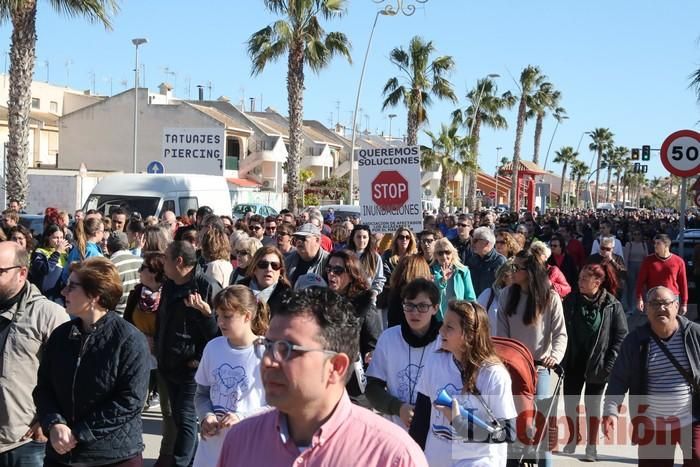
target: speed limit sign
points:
(680, 153)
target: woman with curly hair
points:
(506, 244)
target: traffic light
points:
(646, 152)
(635, 154)
(645, 168)
(636, 168)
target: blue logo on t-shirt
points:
(408, 379)
(230, 385)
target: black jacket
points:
(630, 371)
(370, 329)
(96, 383)
(182, 332)
(612, 331)
(275, 301)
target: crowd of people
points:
(270, 340)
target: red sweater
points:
(669, 272)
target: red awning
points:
(243, 182)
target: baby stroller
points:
(533, 416)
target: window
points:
(53, 107)
(35, 102)
(168, 205)
(188, 203)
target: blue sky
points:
(623, 65)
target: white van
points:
(151, 194)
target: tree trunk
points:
(514, 186)
(412, 119)
(561, 189)
(578, 191)
(22, 59)
(295, 98)
(538, 138)
(607, 185)
(617, 190)
(597, 178)
(442, 189)
(474, 170)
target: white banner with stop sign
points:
(390, 190)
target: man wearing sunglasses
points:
(462, 242)
(309, 256)
(305, 364)
(255, 226)
(270, 234)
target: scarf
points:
(149, 300)
(415, 341)
(587, 318)
(262, 295)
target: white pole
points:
(136, 106)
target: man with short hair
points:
(270, 238)
(462, 242)
(307, 358)
(255, 226)
(119, 217)
(658, 365)
(14, 205)
(606, 231)
(27, 319)
(663, 268)
(283, 240)
(426, 243)
(485, 260)
(309, 256)
(10, 218)
(128, 266)
(289, 217)
(316, 218)
(169, 220)
(185, 323)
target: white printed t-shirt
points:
(400, 366)
(233, 376)
(444, 447)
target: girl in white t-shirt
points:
(402, 351)
(229, 387)
(471, 373)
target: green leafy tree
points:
(531, 79)
(441, 151)
(614, 158)
(564, 156)
(420, 80)
(602, 140)
(22, 14)
(300, 36)
(579, 169)
(546, 98)
(624, 165)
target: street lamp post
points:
(498, 166)
(471, 130)
(391, 117)
(137, 42)
(388, 10)
(551, 140)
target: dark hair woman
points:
(22, 236)
(344, 276)
(473, 376)
(93, 377)
(48, 262)
(531, 312)
(266, 277)
(364, 245)
(596, 325)
(563, 260)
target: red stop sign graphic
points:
(390, 190)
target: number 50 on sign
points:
(680, 153)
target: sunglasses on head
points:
(275, 265)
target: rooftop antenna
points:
(68, 63)
(209, 87)
(168, 72)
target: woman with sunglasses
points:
(450, 275)
(402, 244)
(266, 277)
(244, 250)
(345, 277)
(364, 245)
(596, 326)
(468, 369)
(401, 353)
(532, 312)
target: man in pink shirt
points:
(307, 356)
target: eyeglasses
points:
(271, 228)
(299, 238)
(242, 252)
(661, 303)
(605, 248)
(5, 270)
(409, 307)
(255, 227)
(403, 237)
(71, 286)
(336, 270)
(275, 265)
(282, 350)
(463, 225)
(443, 253)
(427, 241)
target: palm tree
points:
(614, 159)
(565, 156)
(602, 141)
(22, 61)
(485, 97)
(443, 147)
(624, 165)
(545, 98)
(531, 79)
(422, 79)
(579, 169)
(301, 37)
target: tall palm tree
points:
(442, 149)
(564, 156)
(545, 98)
(306, 43)
(421, 79)
(579, 169)
(615, 157)
(602, 140)
(624, 165)
(484, 97)
(531, 79)
(22, 14)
